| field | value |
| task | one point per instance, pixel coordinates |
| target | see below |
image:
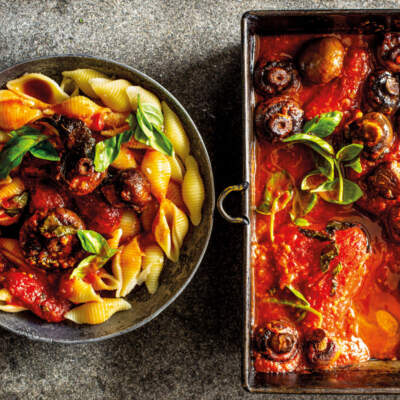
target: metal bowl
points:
(175, 276)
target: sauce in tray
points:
(326, 275)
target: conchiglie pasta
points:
(38, 86)
(130, 223)
(5, 300)
(82, 76)
(146, 97)
(14, 114)
(170, 228)
(102, 280)
(193, 190)
(11, 249)
(174, 130)
(157, 170)
(125, 159)
(117, 271)
(113, 242)
(97, 313)
(148, 214)
(153, 261)
(82, 292)
(115, 131)
(112, 93)
(174, 193)
(14, 188)
(131, 261)
(177, 168)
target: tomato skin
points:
(97, 122)
(45, 197)
(30, 291)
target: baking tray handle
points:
(220, 203)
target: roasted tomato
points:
(274, 77)
(278, 118)
(322, 60)
(48, 239)
(129, 188)
(382, 92)
(46, 196)
(98, 214)
(375, 132)
(389, 52)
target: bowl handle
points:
(220, 203)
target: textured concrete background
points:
(191, 351)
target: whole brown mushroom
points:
(382, 92)
(375, 132)
(274, 77)
(321, 351)
(385, 180)
(322, 60)
(277, 341)
(389, 52)
(392, 224)
(278, 118)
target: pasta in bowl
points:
(106, 199)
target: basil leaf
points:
(298, 294)
(311, 234)
(148, 130)
(25, 130)
(107, 150)
(303, 203)
(45, 151)
(349, 152)
(325, 165)
(301, 222)
(355, 165)
(327, 186)
(317, 144)
(312, 180)
(351, 192)
(329, 253)
(304, 307)
(79, 270)
(93, 242)
(323, 125)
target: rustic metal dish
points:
(175, 276)
(372, 376)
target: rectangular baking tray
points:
(373, 376)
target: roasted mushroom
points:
(375, 132)
(277, 341)
(382, 92)
(392, 224)
(274, 77)
(129, 188)
(322, 60)
(77, 167)
(278, 118)
(48, 239)
(389, 52)
(385, 180)
(321, 351)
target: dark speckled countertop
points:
(192, 350)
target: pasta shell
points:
(170, 228)
(153, 262)
(113, 242)
(15, 188)
(174, 193)
(38, 86)
(131, 261)
(12, 251)
(115, 131)
(82, 292)
(105, 281)
(114, 120)
(14, 114)
(82, 76)
(174, 130)
(157, 170)
(125, 159)
(193, 190)
(146, 97)
(5, 299)
(148, 215)
(177, 168)
(130, 224)
(112, 93)
(6, 95)
(97, 313)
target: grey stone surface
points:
(191, 351)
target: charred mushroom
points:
(385, 180)
(48, 239)
(389, 52)
(392, 224)
(321, 351)
(375, 132)
(382, 92)
(274, 77)
(322, 60)
(129, 188)
(278, 341)
(278, 118)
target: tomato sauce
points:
(358, 296)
